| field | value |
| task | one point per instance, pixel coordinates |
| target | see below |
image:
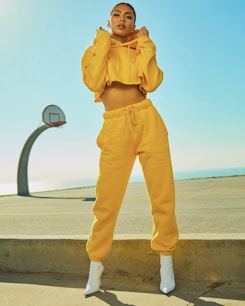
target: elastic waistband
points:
(124, 110)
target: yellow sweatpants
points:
(128, 132)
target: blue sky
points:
(200, 47)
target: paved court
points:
(215, 205)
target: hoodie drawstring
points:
(130, 73)
(118, 59)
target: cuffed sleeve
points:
(149, 72)
(94, 62)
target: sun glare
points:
(5, 7)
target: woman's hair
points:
(127, 5)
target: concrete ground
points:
(202, 206)
(67, 290)
(208, 207)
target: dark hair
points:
(127, 5)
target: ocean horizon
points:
(10, 188)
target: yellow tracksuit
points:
(128, 132)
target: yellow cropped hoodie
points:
(131, 63)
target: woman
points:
(120, 68)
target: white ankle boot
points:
(94, 280)
(167, 274)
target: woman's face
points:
(122, 22)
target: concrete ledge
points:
(198, 257)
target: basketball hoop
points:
(53, 116)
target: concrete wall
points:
(215, 258)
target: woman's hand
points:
(102, 29)
(142, 32)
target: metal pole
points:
(22, 176)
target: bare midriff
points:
(120, 95)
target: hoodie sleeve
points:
(149, 72)
(94, 62)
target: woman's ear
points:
(108, 24)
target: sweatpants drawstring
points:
(132, 119)
(129, 111)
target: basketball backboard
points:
(53, 116)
